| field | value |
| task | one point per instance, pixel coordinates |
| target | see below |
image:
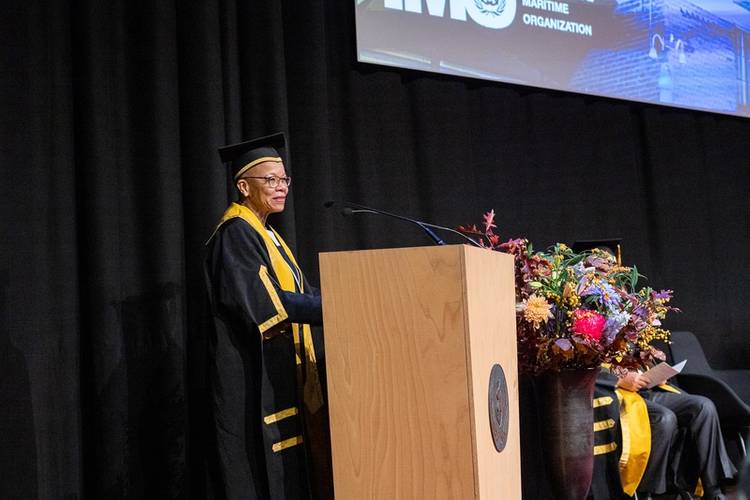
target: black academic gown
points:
(268, 444)
(654, 475)
(605, 481)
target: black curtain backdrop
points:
(111, 113)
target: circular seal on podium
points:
(498, 407)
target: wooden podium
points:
(412, 336)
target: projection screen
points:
(684, 53)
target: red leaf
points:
(473, 229)
(489, 220)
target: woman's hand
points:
(633, 381)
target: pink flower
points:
(588, 323)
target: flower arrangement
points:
(579, 310)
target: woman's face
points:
(259, 195)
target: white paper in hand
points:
(663, 371)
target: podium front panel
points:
(409, 347)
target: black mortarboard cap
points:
(243, 156)
(611, 245)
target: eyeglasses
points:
(272, 180)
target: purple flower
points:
(640, 311)
(579, 270)
(615, 323)
(564, 344)
(606, 293)
(663, 294)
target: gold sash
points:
(636, 439)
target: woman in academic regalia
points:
(266, 380)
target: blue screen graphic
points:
(685, 53)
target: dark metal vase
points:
(568, 430)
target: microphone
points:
(350, 209)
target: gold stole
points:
(313, 395)
(636, 439)
(635, 428)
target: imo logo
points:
(491, 7)
(495, 14)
